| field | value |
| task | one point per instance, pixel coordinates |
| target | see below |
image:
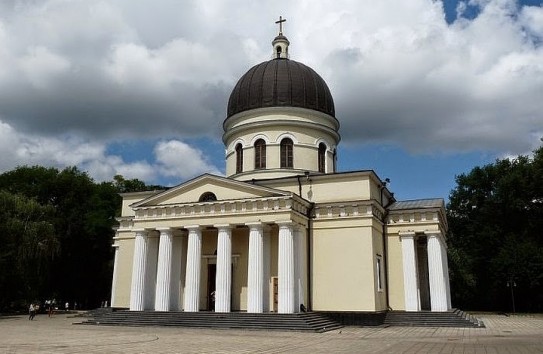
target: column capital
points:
(437, 234)
(407, 234)
(142, 230)
(255, 225)
(285, 223)
(164, 230)
(193, 227)
(224, 226)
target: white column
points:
(177, 284)
(194, 259)
(438, 289)
(255, 271)
(223, 279)
(114, 281)
(164, 271)
(286, 272)
(409, 272)
(267, 262)
(139, 266)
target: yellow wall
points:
(343, 274)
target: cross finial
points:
(280, 22)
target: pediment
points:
(223, 188)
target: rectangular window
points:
(378, 274)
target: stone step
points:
(453, 318)
(300, 322)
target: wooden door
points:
(275, 289)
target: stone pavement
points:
(515, 334)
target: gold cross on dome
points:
(280, 22)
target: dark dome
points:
(281, 83)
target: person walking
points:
(31, 312)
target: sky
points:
(424, 90)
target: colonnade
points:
(438, 271)
(155, 282)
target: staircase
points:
(310, 321)
(453, 318)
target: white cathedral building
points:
(283, 231)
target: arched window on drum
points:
(287, 153)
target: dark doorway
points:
(424, 281)
(211, 273)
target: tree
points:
(80, 215)
(29, 244)
(495, 240)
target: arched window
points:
(208, 197)
(260, 154)
(322, 158)
(286, 153)
(278, 51)
(239, 158)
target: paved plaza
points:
(515, 334)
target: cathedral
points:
(283, 231)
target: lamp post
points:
(511, 284)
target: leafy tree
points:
(80, 215)
(29, 244)
(495, 239)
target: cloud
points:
(178, 159)
(107, 72)
(172, 160)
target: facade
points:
(283, 231)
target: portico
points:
(169, 268)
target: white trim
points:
(286, 135)
(259, 136)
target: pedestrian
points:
(31, 312)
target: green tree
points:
(29, 244)
(82, 215)
(496, 216)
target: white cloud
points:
(106, 71)
(174, 159)
(178, 159)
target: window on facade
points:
(260, 154)
(278, 50)
(322, 158)
(335, 160)
(287, 153)
(378, 270)
(208, 197)
(239, 158)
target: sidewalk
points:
(515, 334)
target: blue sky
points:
(424, 90)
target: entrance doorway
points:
(211, 273)
(424, 279)
(275, 294)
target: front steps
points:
(453, 318)
(311, 321)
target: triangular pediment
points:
(223, 188)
